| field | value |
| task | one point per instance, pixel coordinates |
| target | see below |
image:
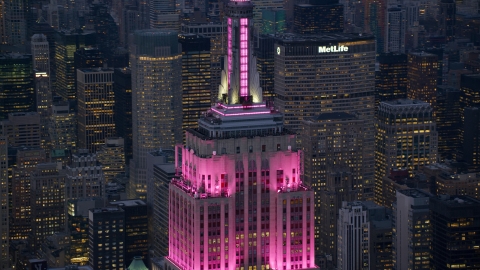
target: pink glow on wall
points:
(238, 114)
(242, 106)
(229, 49)
(244, 55)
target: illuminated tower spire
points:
(240, 79)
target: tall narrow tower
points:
(239, 201)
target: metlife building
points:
(328, 73)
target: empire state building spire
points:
(240, 80)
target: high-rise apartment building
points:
(122, 88)
(196, 70)
(48, 202)
(240, 188)
(66, 44)
(111, 156)
(412, 230)
(325, 17)
(391, 78)
(96, 101)
(395, 29)
(4, 204)
(422, 76)
(406, 138)
(22, 129)
(311, 78)
(156, 61)
(455, 227)
(84, 176)
(17, 88)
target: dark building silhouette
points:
(422, 77)
(391, 77)
(455, 226)
(17, 87)
(87, 57)
(265, 52)
(471, 136)
(447, 19)
(449, 122)
(122, 88)
(320, 16)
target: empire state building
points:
(239, 201)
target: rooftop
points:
(324, 37)
(133, 202)
(415, 193)
(333, 116)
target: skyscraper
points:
(391, 78)
(455, 225)
(17, 88)
(111, 156)
(163, 15)
(84, 176)
(449, 122)
(422, 77)
(96, 100)
(447, 19)
(156, 95)
(325, 16)
(15, 21)
(406, 138)
(241, 186)
(471, 136)
(412, 230)
(66, 44)
(22, 129)
(122, 88)
(63, 128)
(40, 53)
(303, 92)
(395, 29)
(43, 94)
(265, 52)
(196, 70)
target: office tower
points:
(324, 17)
(156, 76)
(273, 21)
(95, 107)
(312, 91)
(40, 53)
(196, 70)
(395, 29)
(237, 144)
(66, 44)
(98, 17)
(26, 160)
(422, 77)
(84, 176)
(111, 156)
(259, 6)
(455, 227)
(63, 128)
(15, 21)
(364, 236)
(411, 230)
(406, 137)
(449, 122)
(48, 202)
(78, 228)
(17, 88)
(106, 238)
(471, 136)
(470, 87)
(122, 88)
(391, 78)
(4, 203)
(136, 229)
(87, 57)
(447, 19)
(22, 129)
(43, 94)
(375, 21)
(332, 145)
(217, 33)
(265, 52)
(352, 236)
(163, 15)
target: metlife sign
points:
(332, 49)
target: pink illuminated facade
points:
(239, 201)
